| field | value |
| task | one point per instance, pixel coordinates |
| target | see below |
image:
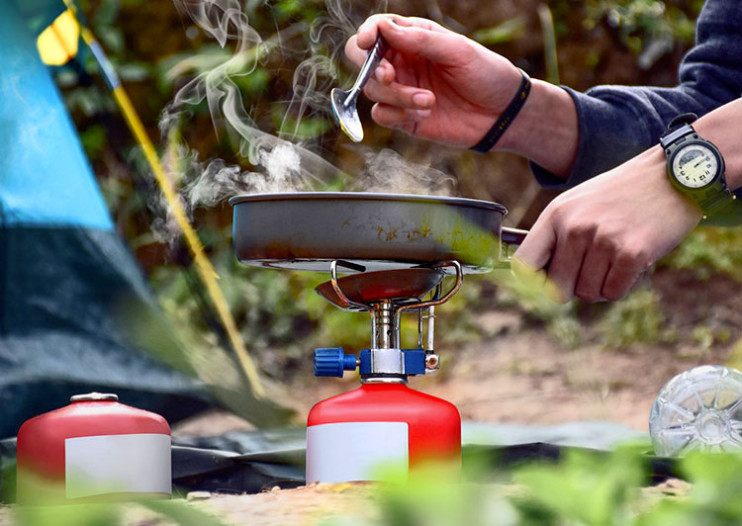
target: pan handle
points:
(510, 240)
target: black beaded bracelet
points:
(507, 117)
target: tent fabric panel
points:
(37, 14)
(44, 175)
(66, 299)
(68, 280)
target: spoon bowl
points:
(346, 114)
(344, 102)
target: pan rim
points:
(368, 196)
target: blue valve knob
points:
(332, 362)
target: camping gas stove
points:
(383, 421)
(386, 295)
(396, 252)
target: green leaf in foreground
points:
(585, 488)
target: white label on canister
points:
(354, 451)
(138, 463)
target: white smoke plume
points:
(277, 163)
(388, 171)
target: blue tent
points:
(65, 275)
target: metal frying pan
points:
(371, 232)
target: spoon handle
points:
(372, 60)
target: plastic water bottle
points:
(700, 409)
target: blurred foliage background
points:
(156, 50)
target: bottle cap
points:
(94, 397)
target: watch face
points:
(695, 165)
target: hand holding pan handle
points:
(510, 240)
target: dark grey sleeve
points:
(619, 122)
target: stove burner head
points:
(398, 286)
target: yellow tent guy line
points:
(205, 270)
(204, 267)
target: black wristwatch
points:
(696, 169)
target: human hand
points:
(595, 240)
(434, 83)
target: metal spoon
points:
(344, 102)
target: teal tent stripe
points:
(44, 175)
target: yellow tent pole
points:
(204, 267)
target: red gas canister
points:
(351, 435)
(91, 449)
(383, 424)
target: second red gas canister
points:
(94, 448)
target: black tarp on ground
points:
(254, 461)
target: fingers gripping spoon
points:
(344, 102)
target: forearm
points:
(616, 123)
(546, 130)
(648, 170)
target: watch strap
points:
(683, 118)
(679, 126)
(717, 200)
(673, 135)
(727, 213)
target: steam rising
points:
(219, 181)
(388, 171)
(280, 165)
(277, 163)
